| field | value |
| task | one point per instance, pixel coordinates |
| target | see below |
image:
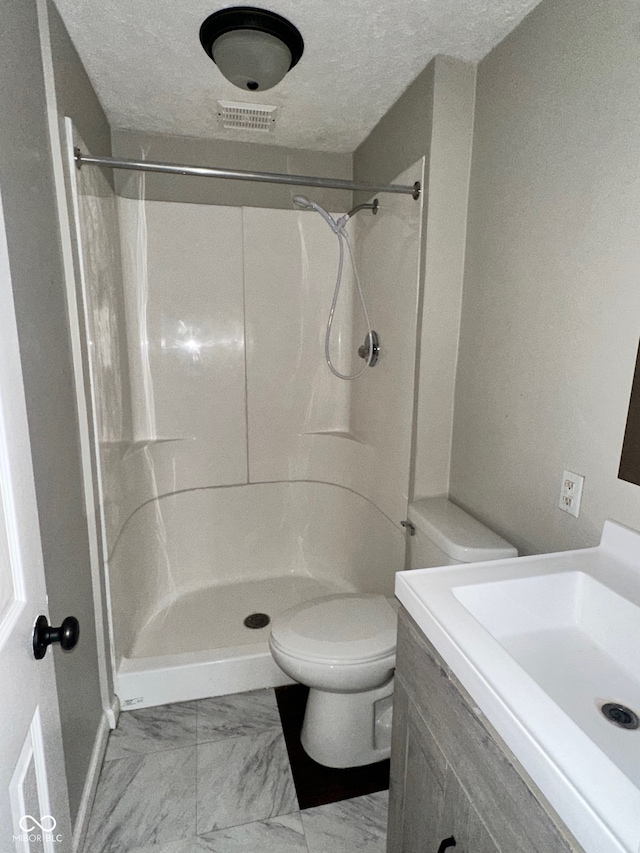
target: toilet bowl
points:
(343, 646)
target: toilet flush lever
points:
(411, 528)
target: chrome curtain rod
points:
(242, 175)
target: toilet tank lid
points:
(458, 534)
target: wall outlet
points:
(571, 493)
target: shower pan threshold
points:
(198, 646)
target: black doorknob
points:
(43, 635)
(446, 844)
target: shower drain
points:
(620, 715)
(257, 620)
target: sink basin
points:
(579, 641)
(541, 644)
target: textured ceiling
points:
(151, 74)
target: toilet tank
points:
(446, 535)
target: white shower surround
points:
(257, 547)
(246, 460)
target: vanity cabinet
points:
(452, 777)
(435, 805)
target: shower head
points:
(304, 203)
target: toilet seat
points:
(342, 629)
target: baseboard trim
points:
(93, 774)
(113, 713)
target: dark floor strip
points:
(315, 784)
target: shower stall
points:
(236, 474)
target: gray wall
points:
(402, 136)
(551, 308)
(229, 155)
(433, 119)
(70, 93)
(33, 241)
(443, 241)
(74, 92)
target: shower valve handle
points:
(371, 341)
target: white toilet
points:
(343, 646)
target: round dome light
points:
(253, 48)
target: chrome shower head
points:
(303, 202)
(306, 204)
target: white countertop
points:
(539, 657)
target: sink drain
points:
(257, 620)
(620, 715)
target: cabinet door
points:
(514, 811)
(461, 822)
(424, 789)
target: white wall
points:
(388, 258)
(102, 304)
(214, 293)
(103, 330)
(551, 309)
(183, 284)
(297, 410)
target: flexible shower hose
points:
(340, 231)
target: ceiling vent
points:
(239, 116)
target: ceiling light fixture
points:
(253, 48)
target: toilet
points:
(343, 646)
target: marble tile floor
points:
(213, 776)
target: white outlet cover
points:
(571, 493)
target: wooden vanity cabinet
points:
(452, 777)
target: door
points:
(34, 809)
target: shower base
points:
(198, 646)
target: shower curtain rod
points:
(241, 175)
